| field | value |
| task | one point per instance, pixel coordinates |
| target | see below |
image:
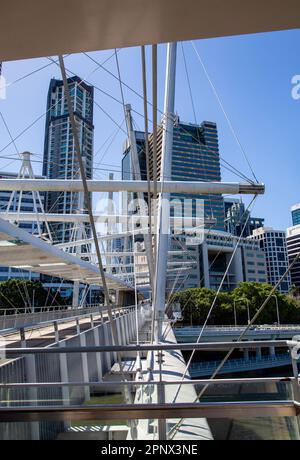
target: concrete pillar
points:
(258, 353)
(133, 322)
(119, 332)
(132, 315)
(56, 332)
(85, 367)
(205, 265)
(120, 298)
(98, 355)
(107, 342)
(126, 328)
(246, 354)
(64, 375)
(92, 320)
(123, 329)
(237, 267)
(75, 300)
(77, 326)
(30, 375)
(30, 372)
(272, 351)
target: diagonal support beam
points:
(190, 188)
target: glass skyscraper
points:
(296, 214)
(60, 160)
(195, 157)
(127, 173)
(238, 219)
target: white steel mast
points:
(163, 222)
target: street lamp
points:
(234, 312)
(277, 308)
(248, 311)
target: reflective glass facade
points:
(238, 219)
(60, 160)
(195, 157)
(296, 214)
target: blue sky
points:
(252, 75)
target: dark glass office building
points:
(296, 214)
(238, 220)
(60, 160)
(195, 157)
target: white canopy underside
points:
(20, 249)
(38, 28)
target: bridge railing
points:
(42, 309)
(230, 329)
(241, 363)
(36, 409)
(12, 323)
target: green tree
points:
(24, 294)
(195, 304)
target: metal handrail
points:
(237, 362)
(226, 409)
(153, 382)
(54, 309)
(155, 347)
(238, 328)
(42, 324)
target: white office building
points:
(210, 259)
(274, 244)
(293, 248)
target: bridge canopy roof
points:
(24, 251)
(38, 28)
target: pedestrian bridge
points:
(189, 334)
(206, 368)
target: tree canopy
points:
(195, 304)
(26, 294)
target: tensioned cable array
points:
(224, 111)
(50, 108)
(242, 335)
(216, 296)
(228, 238)
(231, 168)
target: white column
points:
(126, 328)
(164, 199)
(64, 375)
(98, 355)
(30, 372)
(85, 367)
(258, 353)
(246, 353)
(272, 351)
(107, 342)
(205, 265)
(75, 300)
(237, 266)
(141, 198)
(119, 332)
